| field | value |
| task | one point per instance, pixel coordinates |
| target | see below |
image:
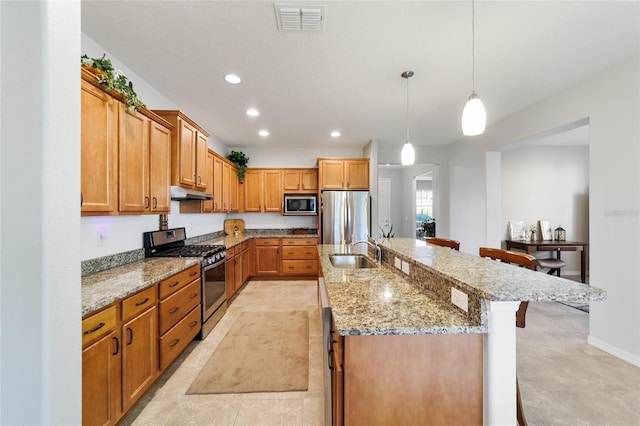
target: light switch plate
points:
(405, 267)
(397, 263)
(460, 299)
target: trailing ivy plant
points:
(113, 79)
(240, 160)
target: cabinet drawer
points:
(299, 252)
(299, 241)
(267, 241)
(179, 337)
(98, 325)
(141, 301)
(176, 282)
(231, 251)
(176, 306)
(299, 267)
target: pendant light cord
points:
(407, 140)
(473, 45)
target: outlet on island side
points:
(460, 299)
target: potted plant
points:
(113, 79)
(240, 160)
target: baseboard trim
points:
(617, 352)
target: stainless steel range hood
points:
(180, 193)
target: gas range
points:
(171, 243)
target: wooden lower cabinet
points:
(433, 379)
(101, 368)
(267, 261)
(299, 256)
(139, 345)
(126, 345)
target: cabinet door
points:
(160, 167)
(252, 187)
(357, 172)
(267, 260)
(337, 383)
(201, 161)
(332, 174)
(272, 191)
(187, 150)
(309, 180)
(139, 356)
(99, 151)
(246, 261)
(238, 273)
(291, 180)
(230, 276)
(226, 176)
(101, 381)
(234, 195)
(133, 152)
(217, 184)
(207, 206)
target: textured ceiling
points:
(347, 77)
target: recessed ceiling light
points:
(263, 133)
(232, 78)
(335, 134)
(252, 112)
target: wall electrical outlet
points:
(102, 237)
(460, 299)
(405, 267)
(397, 263)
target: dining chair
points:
(526, 261)
(444, 242)
(554, 265)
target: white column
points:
(500, 364)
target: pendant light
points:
(408, 154)
(474, 116)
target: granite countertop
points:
(490, 279)
(105, 287)
(102, 288)
(378, 301)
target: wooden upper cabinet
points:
(299, 180)
(226, 176)
(343, 173)
(217, 184)
(263, 190)
(188, 150)
(201, 160)
(133, 150)
(207, 205)
(144, 154)
(160, 167)
(234, 190)
(99, 151)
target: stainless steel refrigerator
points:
(345, 216)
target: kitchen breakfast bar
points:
(409, 297)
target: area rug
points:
(262, 352)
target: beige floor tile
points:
(313, 412)
(270, 412)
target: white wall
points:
(548, 183)
(40, 344)
(610, 101)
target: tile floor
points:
(167, 404)
(563, 380)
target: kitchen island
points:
(410, 295)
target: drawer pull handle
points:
(93, 330)
(175, 342)
(193, 296)
(193, 324)
(308, 267)
(174, 310)
(117, 345)
(174, 284)
(193, 274)
(146, 299)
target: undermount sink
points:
(351, 261)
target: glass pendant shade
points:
(408, 154)
(474, 116)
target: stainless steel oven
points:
(171, 243)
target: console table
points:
(555, 246)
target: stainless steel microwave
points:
(300, 205)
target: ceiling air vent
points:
(293, 17)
